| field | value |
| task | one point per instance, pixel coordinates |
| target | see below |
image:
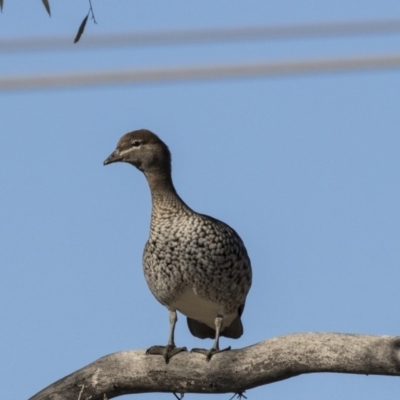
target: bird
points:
(192, 263)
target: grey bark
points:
(233, 371)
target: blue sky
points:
(305, 168)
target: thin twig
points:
(93, 18)
(239, 395)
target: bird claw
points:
(167, 351)
(209, 353)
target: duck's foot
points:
(209, 353)
(167, 351)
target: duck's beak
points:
(115, 156)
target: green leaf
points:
(81, 29)
(47, 6)
(1, 5)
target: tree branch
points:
(233, 371)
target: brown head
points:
(147, 152)
(144, 150)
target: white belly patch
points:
(199, 309)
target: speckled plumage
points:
(193, 263)
(190, 251)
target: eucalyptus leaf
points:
(47, 6)
(81, 29)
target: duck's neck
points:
(163, 193)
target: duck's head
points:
(143, 149)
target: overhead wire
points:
(162, 38)
(206, 72)
(176, 74)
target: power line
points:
(179, 74)
(317, 30)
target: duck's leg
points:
(215, 348)
(170, 349)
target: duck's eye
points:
(135, 143)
